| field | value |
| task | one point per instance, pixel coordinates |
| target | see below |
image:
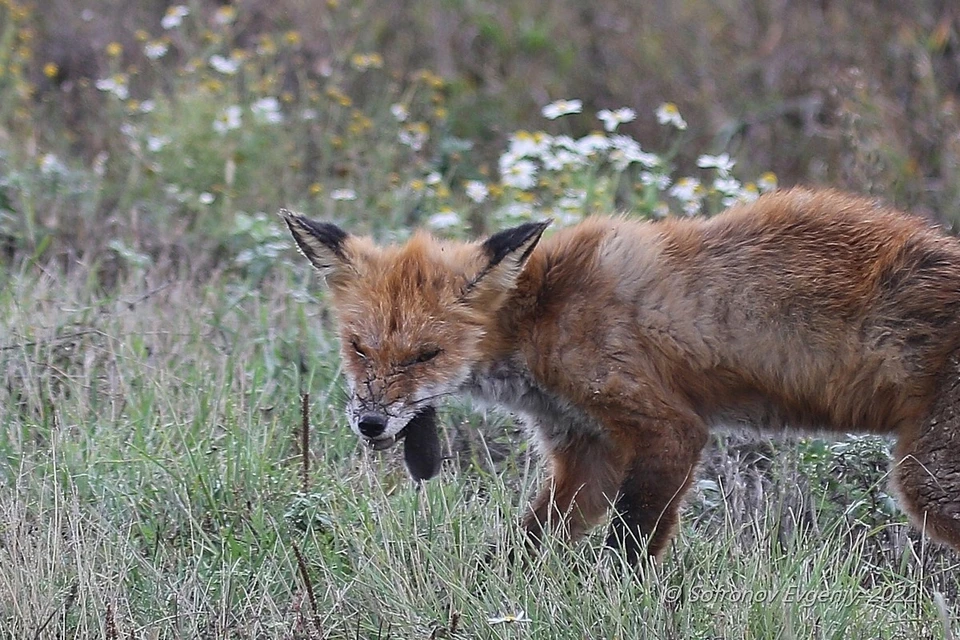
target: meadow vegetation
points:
(160, 339)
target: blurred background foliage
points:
(114, 103)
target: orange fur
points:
(621, 343)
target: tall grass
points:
(150, 473)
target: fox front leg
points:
(584, 476)
(665, 457)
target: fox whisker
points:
(444, 394)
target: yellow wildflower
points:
(224, 15)
(266, 47)
(428, 77)
(19, 13)
(50, 70)
(364, 61)
(339, 96)
(114, 49)
(359, 123)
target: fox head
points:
(411, 317)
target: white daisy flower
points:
(224, 16)
(692, 207)
(727, 185)
(155, 49)
(174, 16)
(515, 212)
(563, 159)
(767, 182)
(476, 191)
(613, 119)
(686, 190)
(659, 180)
(722, 163)
(625, 151)
(749, 193)
(529, 145)
(667, 113)
(117, 85)
(444, 220)
(156, 143)
(267, 110)
(561, 108)
(228, 120)
(565, 142)
(226, 66)
(509, 618)
(51, 164)
(572, 199)
(413, 137)
(343, 194)
(521, 174)
(400, 112)
(592, 143)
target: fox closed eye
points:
(424, 356)
(358, 349)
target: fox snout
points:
(378, 422)
(372, 425)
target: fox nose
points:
(372, 424)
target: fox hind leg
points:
(927, 467)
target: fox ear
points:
(505, 252)
(321, 243)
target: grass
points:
(150, 484)
(158, 335)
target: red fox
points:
(620, 343)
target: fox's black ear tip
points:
(530, 230)
(294, 220)
(309, 233)
(502, 243)
(539, 225)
